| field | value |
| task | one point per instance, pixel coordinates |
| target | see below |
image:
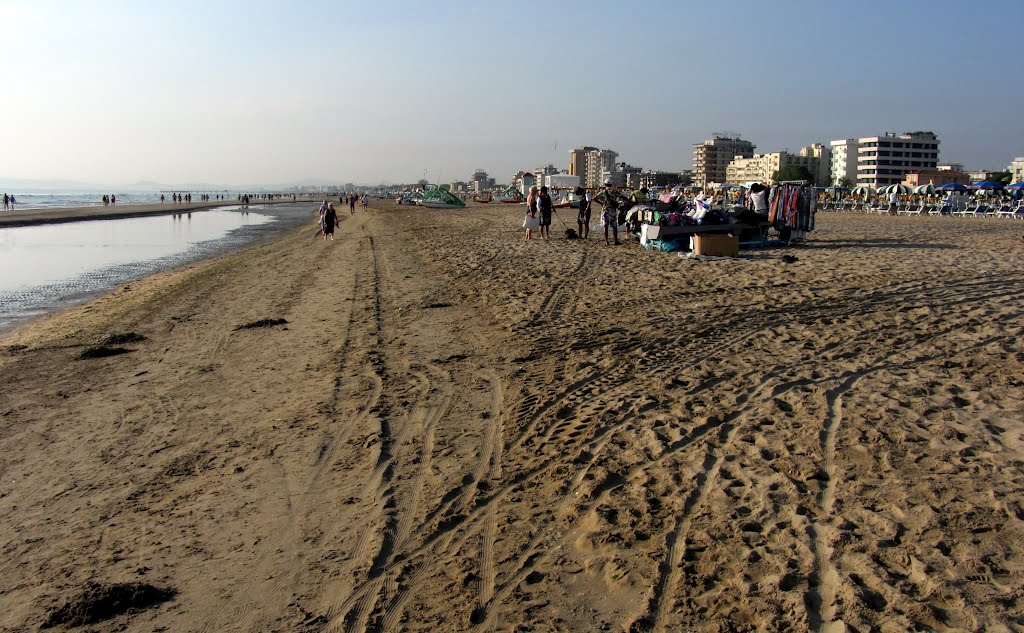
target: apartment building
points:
(542, 172)
(599, 162)
(1016, 169)
(622, 175)
(591, 163)
(762, 167)
(712, 157)
(578, 162)
(654, 178)
(886, 160)
(937, 177)
(481, 182)
(844, 161)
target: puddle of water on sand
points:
(46, 267)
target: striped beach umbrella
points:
(898, 188)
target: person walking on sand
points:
(584, 216)
(609, 199)
(363, 201)
(7, 202)
(531, 222)
(330, 220)
(323, 213)
(352, 204)
(546, 207)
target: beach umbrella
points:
(952, 186)
(927, 190)
(898, 188)
(863, 191)
(1016, 185)
(987, 184)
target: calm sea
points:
(55, 199)
(47, 267)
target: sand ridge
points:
(459, 430)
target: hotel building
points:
(762, 167)
(886, 160)
(844, 160)
(712, 157)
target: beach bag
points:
(531, 223)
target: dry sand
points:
(459, 430)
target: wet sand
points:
(458, 430)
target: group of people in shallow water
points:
(540, 208)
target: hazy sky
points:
(245, 92)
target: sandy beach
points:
(433, 425)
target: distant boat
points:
(440, 199)
(410, 198)
(483, 198)
(510, 196)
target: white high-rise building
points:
(844, 160)
(886, 160)
(1016, 169)
(599, 161)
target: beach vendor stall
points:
(668, 223)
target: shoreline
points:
(59, 215)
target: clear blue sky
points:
(243, 92)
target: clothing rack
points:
(791, 209)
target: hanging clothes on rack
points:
(792, 207)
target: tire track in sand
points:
(246, 603)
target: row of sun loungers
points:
(1013, 210)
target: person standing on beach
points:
(584, 216)
(330, 220)
(531, 211)
(7, 202)
(352, 204)
(323, 213)
(894, 200)
(609, 199)
(363, 201)
(546, 207)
